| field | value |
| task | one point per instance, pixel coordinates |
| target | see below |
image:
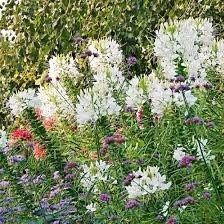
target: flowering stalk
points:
(209, 168)
(40, 132)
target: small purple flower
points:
(67, 186)
(132, 203)
(180, 78)
(207, 86)
(56, 175)
(44, 203)
(104, 197)
(78, 39)
(16, 159)
(39, 179)
(55, 207)
(88, 52)
(197, 120)
(186, 161)
(70, 176)
(194, 120)
(193, 78)
(54, 191)
(159, 217)
(24, 179)
(181, 88)
(83, 55)
(56, 222)
(64, 202)
(30, 145)
(190, 186)
(104, 149)
(171, 220)
(69, 166)
(131, 60)
(128, 179)
(184, 201)
(95, 54)
(2, 220)
(108, 139)
(140, 161)
(4, 184)
(206, 195)
(48, 79)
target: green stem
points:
(209, 168)
(97, 140)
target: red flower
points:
(39, 151)
(21, 134)
(49, 123)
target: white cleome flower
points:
(95, 173)
(54, 99)
(3, 139)
(179, 153)
(148, 181)
(187, 43)
(160, 95)
(202, 151)
(220, 56)
(106, 53)
(96, 102)
(47, 107)
(91, 207)
(135, 96)
(18, 102)
(179, 99)
(165, 208)
(63, 66)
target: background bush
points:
(46, 27)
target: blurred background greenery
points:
(46, 27)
